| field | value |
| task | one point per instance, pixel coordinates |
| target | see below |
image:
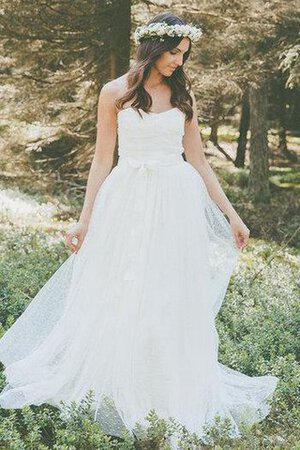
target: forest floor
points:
(258, 323)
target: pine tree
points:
(57, 55)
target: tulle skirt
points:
(131, 316)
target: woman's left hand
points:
(240, 232)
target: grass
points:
(258, 323)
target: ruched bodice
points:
(152, 135)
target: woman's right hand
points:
(75, 235)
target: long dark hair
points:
(149, 50)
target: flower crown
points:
(159, 29)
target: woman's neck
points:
(154, 80)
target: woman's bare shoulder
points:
(114, 89)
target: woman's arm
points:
(101, 163)
(194, 154)
(104, 151)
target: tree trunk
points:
(282, 121)
(120, 45)
(282, 142)
(113, 56)
(120, 38)
(259, 163)
(214, 133)
(244, 127)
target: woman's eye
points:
(173, 53)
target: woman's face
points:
(171, 59)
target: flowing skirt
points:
(131, 316)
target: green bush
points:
(258, 329)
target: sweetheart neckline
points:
(151, 112)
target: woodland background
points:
(54, 58)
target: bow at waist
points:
(145, 163)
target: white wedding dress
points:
(131, 316)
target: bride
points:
(131, 313)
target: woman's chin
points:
(169, 72)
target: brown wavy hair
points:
(148, 51)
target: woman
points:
(131, 313)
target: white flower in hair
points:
(159, 29)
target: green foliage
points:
(79, 417)
(29, 259)
(43, 428)
(277, 222)
(238, 177)
(286, 178)
(290, 64)
(258, 329)
(156, 435)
